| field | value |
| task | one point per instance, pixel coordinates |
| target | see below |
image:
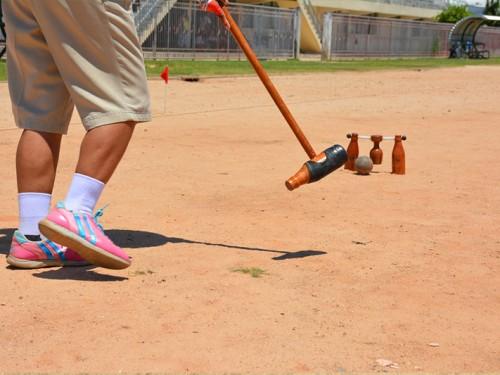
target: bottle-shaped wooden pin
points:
(398, 156)
(352, 151)
(376, 152)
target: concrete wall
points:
(363, 7)
(375, 8)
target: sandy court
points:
(358, 269)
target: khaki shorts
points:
(66, 53)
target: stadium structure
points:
(312, 11)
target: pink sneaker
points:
(81, 232)
(37, 254)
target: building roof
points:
(466, 29)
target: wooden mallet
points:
(319, 165)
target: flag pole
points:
(164, 76)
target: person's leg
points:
(101, 150)
(36, 161)
(42, 107)
(36, 164)
(107, 83)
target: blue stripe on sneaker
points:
(20, 237)
(57, 249)
(93, 238)
(45, 249)
(81, 231)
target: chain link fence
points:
(360, 36)
(347, 36)
(188, 32)
(490, 38)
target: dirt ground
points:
(362, 273)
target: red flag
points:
(164, 74)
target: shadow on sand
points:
(78, 274)
(139, 239)
(135, 239)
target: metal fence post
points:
(227, 45)
(168, 33)
(326, 39)
(193, 28)
(155, 35)
(297, 26)
(390, 39)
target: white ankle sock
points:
(33, 207)
(83, 194)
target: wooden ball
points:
(363, 165)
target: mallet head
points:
(318, 167)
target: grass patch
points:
(214, 68)
(217, 68)
(3, 70)
(252, 271)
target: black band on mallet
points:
(317, 168)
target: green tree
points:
(492, 7)
(453, 13)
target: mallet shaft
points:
(240, 39)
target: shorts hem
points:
(96, 120)
(42, 129)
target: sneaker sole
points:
(85, 249)
(32, 264)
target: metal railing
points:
(311, 14)
(188, 32)
(146, 14)
(359, 36)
